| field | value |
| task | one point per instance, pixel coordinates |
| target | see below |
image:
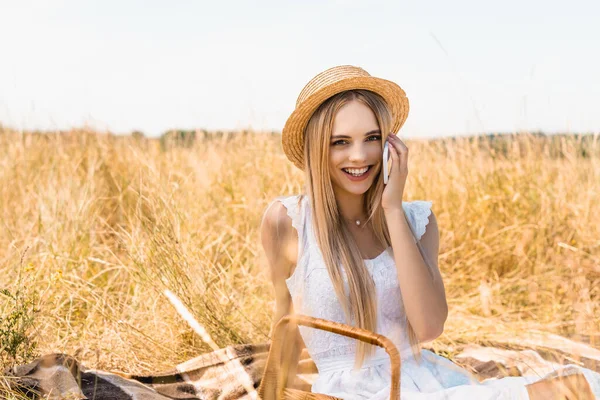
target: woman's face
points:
(355, 144)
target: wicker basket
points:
(272, 386)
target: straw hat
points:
(329, 83)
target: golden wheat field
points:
(94, 228)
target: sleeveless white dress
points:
(434, 378)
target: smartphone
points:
(386, 156)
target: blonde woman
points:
(350, 250)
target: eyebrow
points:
(350, 137)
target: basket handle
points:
(273, 383)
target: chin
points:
(356, 191)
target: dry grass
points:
(104, 224)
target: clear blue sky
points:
(466, 66)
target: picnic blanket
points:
(220, 374)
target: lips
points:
(359, 178)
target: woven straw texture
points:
(327, 84)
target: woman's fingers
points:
(399, 151)
(394, 153)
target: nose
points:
(358, 153)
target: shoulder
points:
(284, 212)
(419, 206)
(420, 216)
(275, 217)
(277, 233)
(426, 232)
(431, 233)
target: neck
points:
(351, 206)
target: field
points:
(94, 227)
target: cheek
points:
(377, 151)
(334, 159)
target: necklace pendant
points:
(357, 222)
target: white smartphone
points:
(386, 156)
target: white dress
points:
(435, 378)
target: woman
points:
(351, 251)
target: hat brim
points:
(293, 132)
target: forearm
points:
(422, 291)
(290, 354)
(292, 347)
(295, 350)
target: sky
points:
(467, 67)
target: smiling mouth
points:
(357, 175)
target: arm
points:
(277, 233)
(422, 287)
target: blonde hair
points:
(335, 240)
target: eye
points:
(376, 137)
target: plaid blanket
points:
(60, 376)
(218, 375)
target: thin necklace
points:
(357, 222)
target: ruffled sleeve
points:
(292, 206)
(295, 211)
(417, 213)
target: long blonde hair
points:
(335, 240)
